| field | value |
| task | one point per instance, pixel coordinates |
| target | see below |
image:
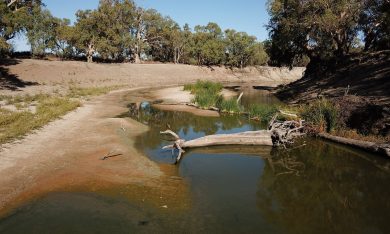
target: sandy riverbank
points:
(66, 154)
(35, 76)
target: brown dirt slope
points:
(366, 75)
(34, 76)
(367, 105)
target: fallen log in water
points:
(278, 133)
(383, 149)
(262, 137)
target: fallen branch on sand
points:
(111, 155)
(278, 133)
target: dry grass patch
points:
(353, 134)
(77, 92)
(16, 124)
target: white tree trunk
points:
(137, 58)
(90, 52)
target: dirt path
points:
(66, 154)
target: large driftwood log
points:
(278, 133)
(262, 137)
(383, 149)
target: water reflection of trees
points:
(336, 192)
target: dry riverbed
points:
(65, 155)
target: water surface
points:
(319, 187)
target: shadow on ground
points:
(10, 81)
(365, 75)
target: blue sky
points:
(243, 15)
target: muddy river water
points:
(321, 187)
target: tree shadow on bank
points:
(10, 81)
(364, 75)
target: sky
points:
(242, 15)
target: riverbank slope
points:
(35, 76)
(358, 84)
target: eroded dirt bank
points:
(34, 76)
(358, 84)
(66, 154)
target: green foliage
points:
(207, 93)
(208, 45)
(205, 99)
(113, 23)
(229, 105)
(325, 29)
(206, 86)
(15, 19)
(374, 22)
(41, 31)
(119, 30)
(243, 50)
(87, 32)
(64, 41)
(322, 114)
(15, 124)
(263, 112)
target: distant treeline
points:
(119, 30)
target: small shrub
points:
(229, 105)
(207, 93)
(263, 112)
(206, 99)
(322, 114)
(204, 86)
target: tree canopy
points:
(325, 29)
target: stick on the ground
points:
(111, 155)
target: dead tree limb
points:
(288, 114)
(383, 149)
(170, 132)
(11, 3)
(239, 97)
(279, 133)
